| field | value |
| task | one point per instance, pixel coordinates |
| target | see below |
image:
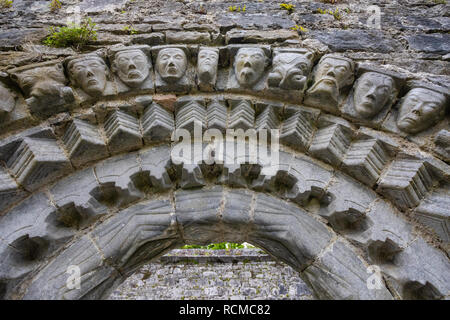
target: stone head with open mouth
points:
(249, 65)
(132, 65)
(171, 64)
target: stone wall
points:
(361, 188)
(193, 274)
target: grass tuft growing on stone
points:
(5, 4)
(72, 36)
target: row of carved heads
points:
(331, 81)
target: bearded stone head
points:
(332, 74)
(171, 64)
(421, 108)
(249, 65)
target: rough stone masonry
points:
(362, 188)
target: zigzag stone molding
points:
(86, 171)
(111, 217)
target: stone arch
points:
(74, 160)
(121, 212)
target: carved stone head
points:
(7, 100)
(207, 62)
(89, 72)
(290, 70)
(131, 65)
(171, 64)
(45, 86)
(421, 108)
(333, 73)
(372, 92)
(249, 65)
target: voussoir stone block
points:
(339, 273)
(116, 177)
(75, 201)
(216, 115)
(123, 132)
(51, 282)
(331, 143)
(349, 202)
(198, 214)
(156, 162)
(29, 233)
(297, 130)
(406, 182)
(84, 143)
(37, 162)
(147, 228)
(279, 226)
(420, 272)
(9, 190)
(365, 160)
(157, 124)
(236, 214)
(434, 212)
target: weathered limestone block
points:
(29, 233)
(297, 130)
(157, 123)
(123, 132)
(267, 120)
(296, 237)
(259, 36)
(146, 229)
(242, 115)
(116, 180)
(365, 159)
(434, 212)
(51, 282)
(84, 143)
(189, 113)
(349, 201)
(216, 115)
(188, 37)
(406, 182)
(37, 162)
(133, 67)
(236, 214)
(330, 143)
(198, 214)
(386, 236)
(172, 69)
(10, 144)
(249, 65)
(332, 76)
(44, 85)
(7, 101)
(73, 197)
(442, 144)
(207, 64)
(9, 190)
(420, 278)
(373, 94)
(90, 76)
(340, 274)
(155, 162)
